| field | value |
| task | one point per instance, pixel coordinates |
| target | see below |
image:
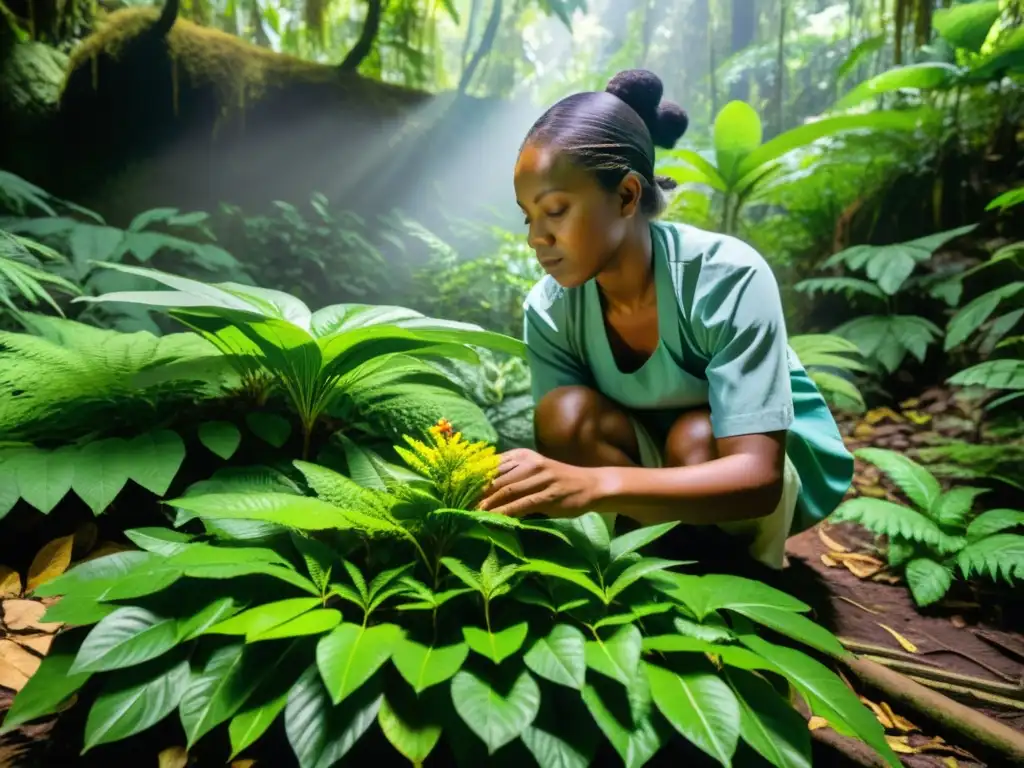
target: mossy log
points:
(156, 110)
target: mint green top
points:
(722, 343)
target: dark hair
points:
(614, 132)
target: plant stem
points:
(928, 672)
(969, 723)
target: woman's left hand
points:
(529, 483)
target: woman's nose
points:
(539, 237)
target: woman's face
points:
(575, 225)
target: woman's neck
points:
(627, 283)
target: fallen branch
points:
(929, 672)
(973, 726)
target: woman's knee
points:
(571, 423)
(691, 440)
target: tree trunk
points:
(743, 29)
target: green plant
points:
(888, 338)
(86, 409)
(377, 604)
(938, 533)
(743, 164)
(23, 276)
(821, 354)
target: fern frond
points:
(952, 508)
(915, 481)
(1004, 373)
(994, 521)
(1002, 554)
(928, 580)
(889, 519)
(74, 377)
(343, 492)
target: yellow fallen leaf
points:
(899, 723)
(863, 431)
(876, 415)
(17, 657)
(918, 417)
(886, 577)
(26, 614)
(242, 764)
(11, 677)
(910, 402)
(50, 562)
(873, 491)
(38, 643)
(829, 542)
(901, 745)
(860, 565)
(950, 762)
(85, 539)
(10, 582)
(172, 757)
(859, 605)
(817, 722)
(879, 713)
(908, 646)
(829, 561)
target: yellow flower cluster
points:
(459, 470)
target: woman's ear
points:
(630, 192)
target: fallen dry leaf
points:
(860, 565)
(901, 745)
(829, 542)
(917, 417)
(910, 402)
(957, 621)
(26, 614)
(173, 757)
(858, 605)
(38, 643)
(242, 764)
(16, 663)
(817, 722)
(873, 491)
(908, 646)
(879, 713)
(10, 582)
(829, 561)
(887, 577)
(950, 762)
(50, 562)
(863, 431)
(899, 723)
(877, 415)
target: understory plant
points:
(939, 534)
(88, 410)
(388, 615)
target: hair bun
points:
(642, 90)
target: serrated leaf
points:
(994, 521)
(915, 481)
(953, 507)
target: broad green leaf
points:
(768, 722)
(973, 315)
(51, 685)
(220, 437)
(814, 679)
(618, 656)
(255, 621)
(302, 512)
(92, 577)
(351, 653)
(705, 594)
(42, 477)
(231, 675)
(191, 627)
(638, 570)
(929, 581)
(498, 718)
(424, 666)
(560, 656)
(551, 751)
(967, 26)
(160, 541)
(267, 700)
(862, 50)
(272, 428)
(134, 699)
(888, 339)
(924, 75)
(322, 734)
(315, 622)
(636, 733)
(575, 576)
(634, 540)
(698, 704)
(496, 646)
(795, 626)
(737, 133)
(128, 636)
(410, 724)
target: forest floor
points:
(838, 569)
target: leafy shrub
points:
(381, 603)
(87, 410)
(938, 533)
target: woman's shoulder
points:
(686, 244)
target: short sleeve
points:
(738, 321)
(545, 332)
